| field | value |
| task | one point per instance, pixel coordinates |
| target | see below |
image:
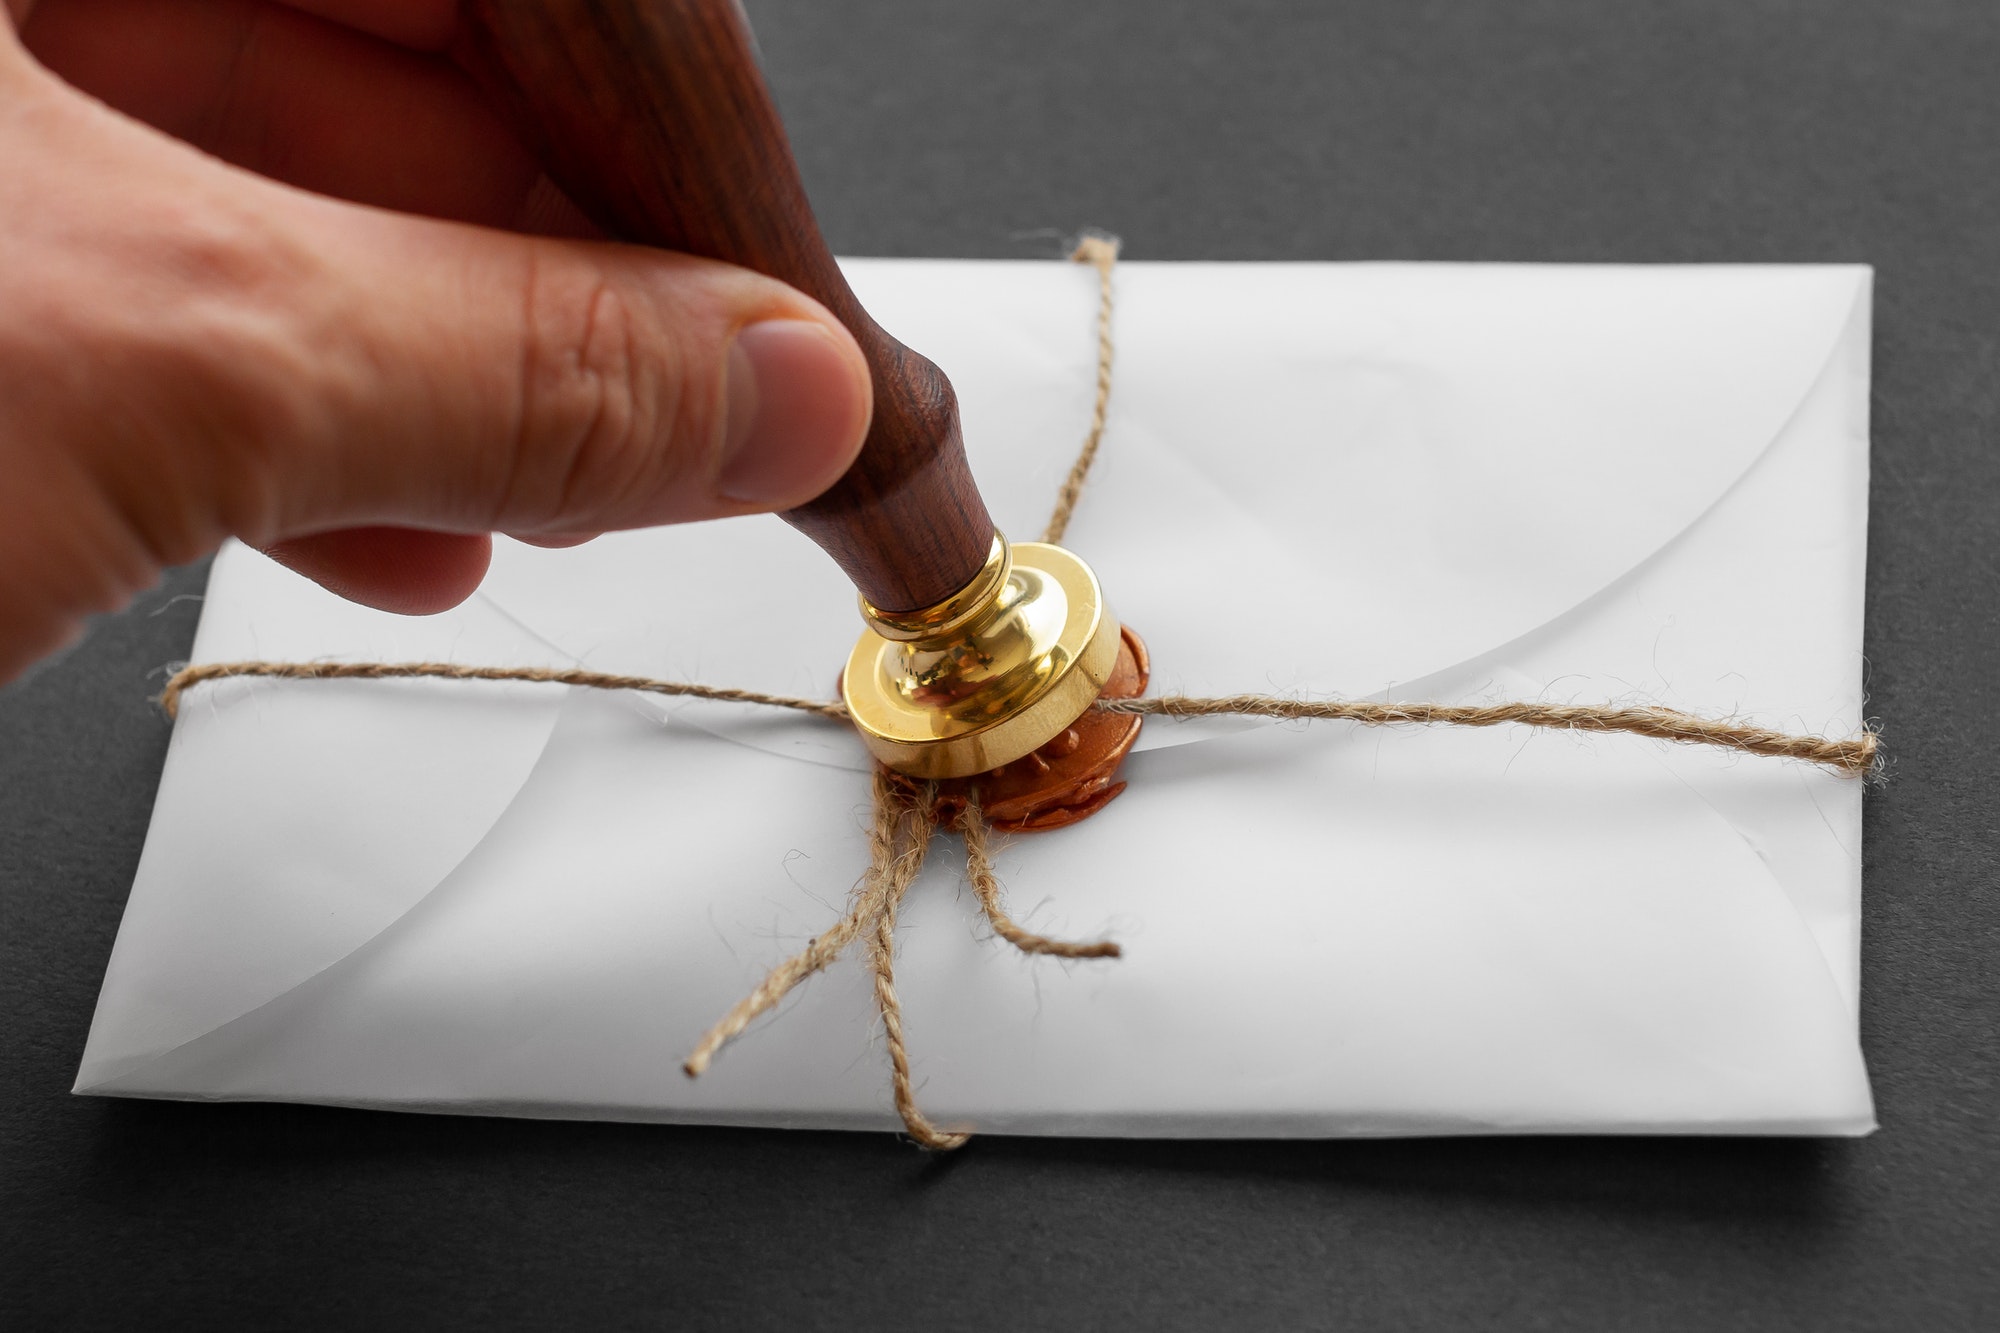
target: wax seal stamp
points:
(989, 676)
(653, 116)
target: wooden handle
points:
(653, 116)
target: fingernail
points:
(796, 412)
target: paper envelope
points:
(1440, 482)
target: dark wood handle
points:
(653, 116)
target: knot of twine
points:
(904, 820)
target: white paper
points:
(1443, 482)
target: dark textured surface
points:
(1557, 131)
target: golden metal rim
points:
(926, 744)
(945, 618)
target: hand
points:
(393, 342)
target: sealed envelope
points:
(1446, 483)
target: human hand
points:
(363, 335)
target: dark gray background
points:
(1580, 130)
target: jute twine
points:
(904, 825)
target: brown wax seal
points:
(1071, 777)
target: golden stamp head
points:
(990, 674)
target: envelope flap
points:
(1517, 436)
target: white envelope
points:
(1442, 482)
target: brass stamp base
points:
(1008, 677)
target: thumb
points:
(189, 352)
(462, 381)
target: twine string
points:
(1857, 755)
(189, 676)
(903, 822)
(885, 862)
(1101, 253)
(1853, 754)
(915, 822)
(973, 828)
